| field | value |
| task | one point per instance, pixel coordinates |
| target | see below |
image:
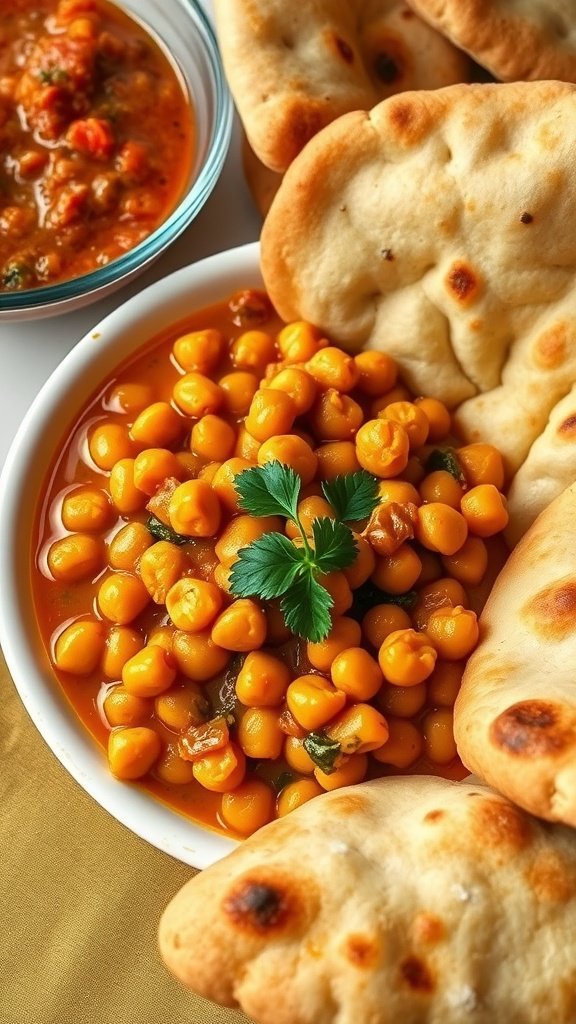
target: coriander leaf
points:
(322, 750)
(306, 608)
(334, 545)
(446, 459)
(353, 496)
(368, 595)
(282, 780)
(267, 567)
(269, 490)
(160, 531)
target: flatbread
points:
(294, 67)
(412, 900)
(439, 227)
(515, 716)
(262, 182)
(514, 39)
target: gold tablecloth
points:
(80, 899)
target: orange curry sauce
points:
(96, 138)
(57, 604)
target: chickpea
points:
(198, 657)
(194, 509)
(241, 627)
(470, 563)
(130, 397)
(414, 471)
(271, 412)
(122, 643)
(247, 447)
(382, 447)
(223, 482)
(345, 633)
(407, 657)
(208, 472)
(398, 572)
(297, 757)
(431, 566)
(411, 418)
(336, 458)
(403, 747)
(150, 671)
(485, 511)
(295, 794)
(339, 589)
(193, 604)
(358, 729)
(132, 752)
(241, 531)
(163, 636)
(127, 497)
(252, 350)
(441, 486)
(108, 443)
(454, 632)
(399, 491)
(153, 466)
(248, 807)
(441, 528)
(438, 735)
(335, 417)
(122, 597)
(123, 708)
(363, 565)
(438, 416)
(381, 620)
(260, 735)
(402, 701)
(262, 680)
(196, 395)
(352, 771)
(79, 647)
(356, 673)
(172, 768)
(160, 567)
(221, 770)
(76, 557)
(180, 707)
(378, 373)
(444, 683)
(199, 351)
(313, 701)
(482, 464)
(333, 368)
(290, 450)
(299, 341)
(239, 389)
(399, 393)
(128, 545)
(442, 593)
(157, 426)
(213, 438)
(86, 510)
(297, 383)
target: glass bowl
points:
(187, 37)
(49, 419)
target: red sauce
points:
(96, 139)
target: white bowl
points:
(184, 31)
(62, 398)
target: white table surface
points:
(29, 351)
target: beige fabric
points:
(439, 227)
(293, 67)
(514, 39)
(80, 898)
(401, 901)
(515, 716)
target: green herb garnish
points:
(53, 76)
(367, 595)
(322, 750)
(273, 566)
(160, 531)
(16, 275)
(353, 496)
(446, 459)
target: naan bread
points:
(512, 38)
(293, 67)
(515, 716)
(262, 182)
(440, 227)
(400, 901)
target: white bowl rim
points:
(203, 282)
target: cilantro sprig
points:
(274, 567)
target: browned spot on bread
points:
(267, 902)
(530, 728)
(427, 928)
(567, 429)
(499, 824)
(552, 612)
(345, 51)
(349, 803)
(551, 878)
(304, 119)
(361, 950)
(408, 118)
(388, 67)
(476, 325)
(407, 14)
(416, 975)
(550, 348)
(463, 282)
(526, 218)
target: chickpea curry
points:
(259, 565)
(96, 139)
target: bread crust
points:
(533, 39)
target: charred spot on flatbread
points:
(551, 613)
(266, 904)
(417, 976)
(531, 728)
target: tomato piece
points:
(92, 136)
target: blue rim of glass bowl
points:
(170, 229)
